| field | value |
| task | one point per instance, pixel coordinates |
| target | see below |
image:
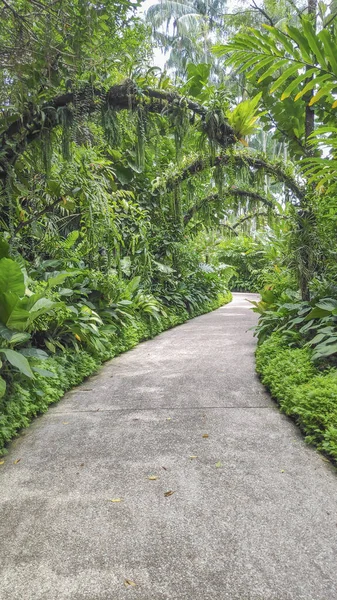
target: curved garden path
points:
(253, 517)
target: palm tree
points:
(187, 29)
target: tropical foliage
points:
(131, 198)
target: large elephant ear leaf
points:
(18, 361)
(11, 312)
(11, 277)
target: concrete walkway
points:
(253, 514)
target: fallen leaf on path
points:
(205, 435)
(192, 457)
(65, 423)
(168, 418)
(82, 465)
(17, 461)
(218, 464)
(169, 493)
(2, 462)
(129, 583)
(165, 468)
(116, 500)
(153, 477)
(282, 470)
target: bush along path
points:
(304, 392)
(169, 475)
(296, 360)
(78, 336)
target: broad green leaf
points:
(246, 64)
(43, 304)
(283, 78)
(310, 85)
(59, 278)
(11, 277)
(54, 187)
(124, 174)
(115, 154)
(50, 346)
(277, 65)
(163, 268)
(298, 320)
(329, 48)
(19, 338)
(13, 336)
(11, 313)
(327, 304)
(281, 37)
(320, 94)
(246, 42)
(295, 84)
(314, 42)
(266, 43)
(198, 76)
(136, 168)
(18, 318)
(317, 313)
(302, 43)
(44, 372)
(18, 360)
(325, 350)
(132, 286)
(321, 130)
(220, 49)
(260, 64)
(318, 338)
(34, 353)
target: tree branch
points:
(240, 161)
(230, 228)
(263, 13)
(216, 197)
(258, 213)
(125, 96)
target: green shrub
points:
(302, 392)
(314, 404)
(288, 369)
(29, 397)
(269, 349)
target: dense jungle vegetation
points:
(134, 197)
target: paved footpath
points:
(253, 514)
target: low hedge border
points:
(28, 398)
(301, 390)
